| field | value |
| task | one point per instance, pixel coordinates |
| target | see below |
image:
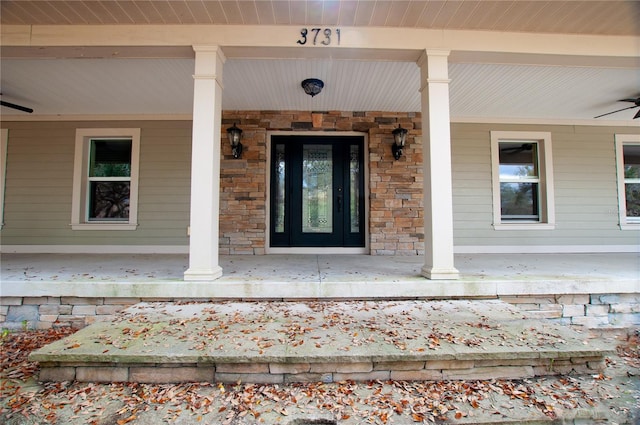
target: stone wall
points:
(592, 311)
(396, 220)
(596, 311)
(284, 373)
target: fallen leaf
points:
(126, 421)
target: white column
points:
(436, 145)
(205, 165)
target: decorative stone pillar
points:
(436, 145)
(205, 165)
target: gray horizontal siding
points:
(40, 172)
(585, 185)
(39, 185)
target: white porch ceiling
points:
(554, 89)
(165, 86)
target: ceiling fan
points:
(636, 102)
(517, 149)
(14, 106)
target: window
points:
(105, 185)
(522, 180)
(628, 164)
(4, 139)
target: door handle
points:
(339, 199)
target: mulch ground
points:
(26, 402)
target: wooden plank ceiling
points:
(605, 17)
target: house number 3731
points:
(322, 36)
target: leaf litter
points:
(373, 402)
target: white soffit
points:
(98, 86)
(541, 92)
(165, 86)
(349, 85)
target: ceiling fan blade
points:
(637, 115)
(14, 106)
(636, 100)
(609, 113)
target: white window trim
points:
(624, 139)
(79, 200)
(4, 142)
(545, 174)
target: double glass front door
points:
(317, 191)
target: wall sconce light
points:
(399, 139)
(235, 134)
(312, 86)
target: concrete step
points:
(283, 342)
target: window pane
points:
(354, 183)
(631, 155)
(280, 194)
(317, 189)
(110, 158)
(109, 200)
(518, 160)
(632, 197)
(519, 201)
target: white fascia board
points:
(285, 36)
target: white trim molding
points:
(622, 140)
(95, 249)
(4, 143)
(79, 200)
(317, 250)
(542, 140)
(545, 249)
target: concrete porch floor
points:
(317, 276)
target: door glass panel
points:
(280, 191)
(317, 193)
(354, 187)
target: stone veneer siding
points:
(396, 220)
(594, 311)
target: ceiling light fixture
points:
(312, 86)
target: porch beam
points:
(285, 36)
(436, 147)
(205, 165)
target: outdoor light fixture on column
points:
(235, 134)
(312, 86)
(399, 139)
